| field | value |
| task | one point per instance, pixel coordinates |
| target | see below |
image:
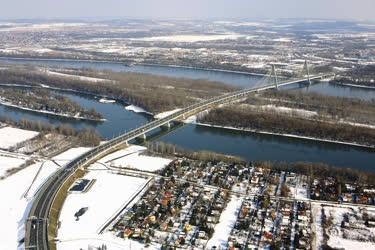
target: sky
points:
(189, 9)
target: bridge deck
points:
(37, 226)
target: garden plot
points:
(348, 227)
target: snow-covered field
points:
(227, 221)
(10, 137)
(107, 195)
(344, 226)
(16, 193)
(96, 241)
(8, 162)
(131, 158)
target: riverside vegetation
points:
(153, 93)
(84, 137)
(46, 101)
(332, 118)
(361, 75)
(313, 170)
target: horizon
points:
(174, 10)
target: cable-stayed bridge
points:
(37, 236)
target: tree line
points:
(86, 137)
(353, 109)
(153, 93)
(314, 170)
(360, 75)
(44, 100)
(279, 123)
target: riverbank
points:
(126, 64)
(288, 124)
(284, 135)
(354, 86)
(77, 117)
(143, 90)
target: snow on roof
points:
(10, 137)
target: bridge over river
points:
(37, 235)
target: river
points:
(248, 145)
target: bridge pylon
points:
(274, 75)
(306, 71)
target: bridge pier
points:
(142, 138)
(166, 126)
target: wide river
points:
(248, 145)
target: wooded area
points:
(153, 93)
(321, 170)
(336, 108)
(361, 75)
(234, 116)
(44, 100)
(86, 137)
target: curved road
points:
(36, 235)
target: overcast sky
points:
(195, 9)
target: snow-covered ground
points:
(353, 234)
(8, 162)
(104, 100)
(301, 188)
(286, 110)
(227, 221)
(165, 114)
(76, 77)
(115, 191)
(108, 194)
(10, 137)
(131, 158)
(96, 241)
(136, 109)
(16, 193)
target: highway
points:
(36, 234)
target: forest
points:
(238, 117)
(153, 93)
(44, 100)
(334, 108)
(361, 75)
